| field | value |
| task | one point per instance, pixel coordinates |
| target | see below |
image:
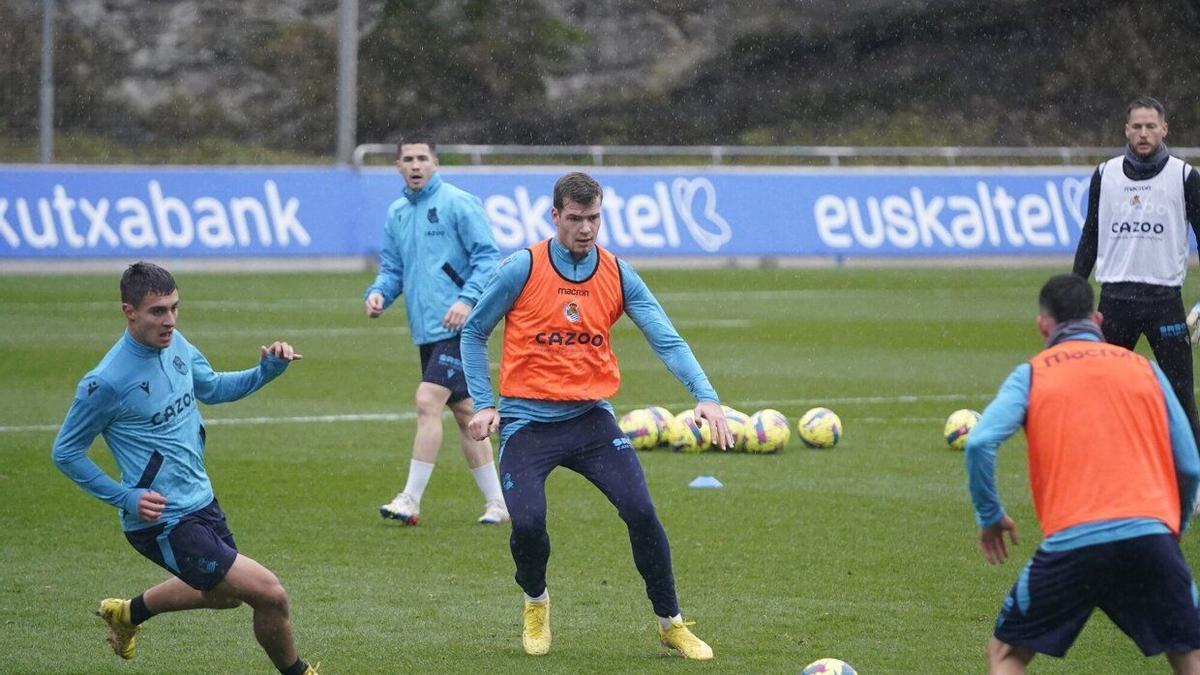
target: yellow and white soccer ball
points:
(641, 428)
(739, 426)
(767, 432)
(820, 428)
(958, 427)
(664, 420)
(690, 434)
(829, 667)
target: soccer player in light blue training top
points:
(438, 250)
(142, 398)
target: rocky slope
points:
(1010, 72)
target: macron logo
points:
(152, 220)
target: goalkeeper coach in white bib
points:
(1136, 237)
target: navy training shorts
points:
(1143, 584)
(198, 548)
(441, 364)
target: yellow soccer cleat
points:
(536, 635)
(312, 670)
(681, 639)
(122, 634)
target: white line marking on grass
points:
(845, 400)
(302, 332)
(292, 333)
(32, 427)
(333, 304)
(233, 421)
(402, 417)
(698, 323)
(315, 419)
(214, 333)
(899, 420)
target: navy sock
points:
(138, 612)
(296, 668)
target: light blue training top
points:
(437, 248)
(1006, 414)
(143, 401)
(639, 304)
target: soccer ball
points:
(767, 432)
(820, 428)
(739, 426)
(829, 667)
(958, 426)
(690, 434)
(639, 425)
(664, 420)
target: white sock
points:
(541, 599)
(418, 478)
(488, 481)
(666, 621)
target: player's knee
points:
(275, 597)
(640, 515)
(1003, 654)
(525, 529)
(222, 601)
(429, 404)
(270, 595)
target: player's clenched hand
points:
(456, 316)
(484, 422)
(722, 437)
(991, 540)
(374, 305)
(280, 350)
(150, 505)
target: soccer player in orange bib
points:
(1113, 471)
(559, 299)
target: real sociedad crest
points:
(180, 365)
(571, 311)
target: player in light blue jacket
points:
(143, 398)
(438, 250)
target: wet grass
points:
(865, 552)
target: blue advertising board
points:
(67, 212)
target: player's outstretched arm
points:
(722, 437)
(213, 387)
(279, 350)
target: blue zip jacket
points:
(437, 248)
(143, 401)
(1006, 414)
(639, 304)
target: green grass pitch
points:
(866, 552)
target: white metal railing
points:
(717, 154)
